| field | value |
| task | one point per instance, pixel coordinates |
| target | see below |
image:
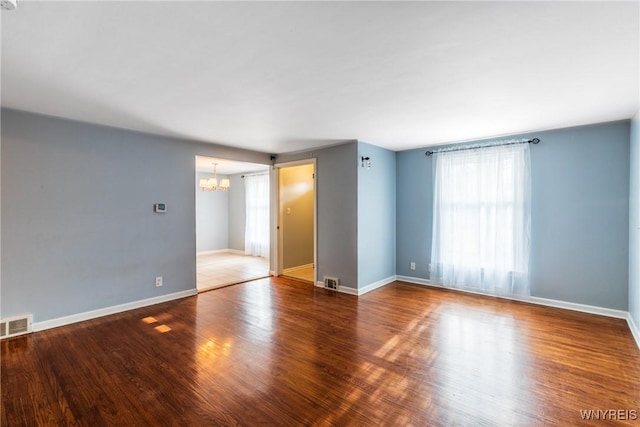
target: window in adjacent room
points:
(257, 215)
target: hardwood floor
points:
(280, 352)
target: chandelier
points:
(211, 184)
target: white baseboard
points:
(221, 251)
(380, 283)
(634, 329)
(87, 315)
(296, 268)
(361, 291)
(215, 251)
(584, 308)
(348, 290)
(344, 289)
(609, 312)
(416, 281)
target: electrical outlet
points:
(429, 268)
(413, 265)
(158, 281)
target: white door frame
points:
(278, 215)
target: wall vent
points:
(331, 283)
(15, 326)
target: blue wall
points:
(336, 175)
(376, 215)
(78, 228)
(580, 214)
(79, 233)
(634, 222)
(414, 199)
(212, 217)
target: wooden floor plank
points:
(281, 352)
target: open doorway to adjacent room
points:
(232, 222)
(297, 220)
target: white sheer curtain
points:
(482, 219)
(256, 234)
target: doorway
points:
(222, 257)
(297, 220)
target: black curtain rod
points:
(530, 141)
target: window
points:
(256, 235)
(481, 219)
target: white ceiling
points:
(227, 167)
(288, 76)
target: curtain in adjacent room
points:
(256, 236)
(482, 219)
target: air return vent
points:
(331, 283)
(14, 326)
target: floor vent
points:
(15, 326)
(331, 283)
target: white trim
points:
(361, 291)
(609, 312)
(372, 286)
(343, 289)
(7, 320)
(584, 308)
(346, 290)
(215, 251)
(297, 268)
(416, 281)
(274, 218)
(220, 251)
(634, 329)
(293, 163)
(87, 315)
(315, 218)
